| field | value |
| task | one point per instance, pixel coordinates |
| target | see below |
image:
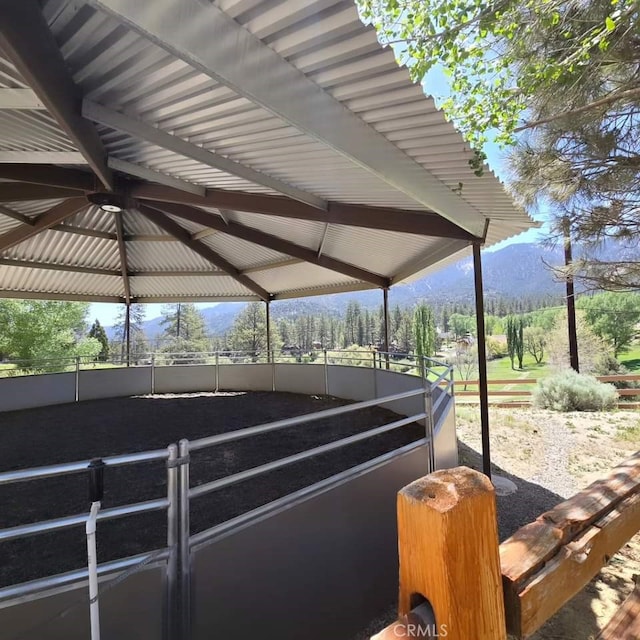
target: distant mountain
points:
(517, 271)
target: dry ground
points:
(563, 453)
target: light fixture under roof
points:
(111, 202)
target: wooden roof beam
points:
(26, 39)
(384, 218)
(274, 243)
(46, 220)
(182, 235)
(49, 175)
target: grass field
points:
(631, 359)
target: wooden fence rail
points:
(457, 581)
(524, 395)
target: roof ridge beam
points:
(261, 238)
(44, 221)
(208, 39)
(424, 223)
(182, 235)
(26, 39)
(153, 135)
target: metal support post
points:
(326, 373)
(273, 370)
(385, 313)
(428, 421)
(153, 373)
(217, 371)
(183, 541)
(77, 380)
(171, 594)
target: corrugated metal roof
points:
(142, 78)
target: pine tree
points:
(424, 331)
(184, 328)
(97, 331)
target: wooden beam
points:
(122, 250)
(27, 41)
(625, 624)
(154, 135)
(269, 241)
(273, 265)
(182, 235)
(49, 175)
(48, 266)
(10, 213)
(548, 561)
(21, 191)
(384, 218)
(20, 99)
(82, 231)
(44, 221)
(176, 274)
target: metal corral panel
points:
(187, 378)
(132, 610)
(102, 383)
(321, 565)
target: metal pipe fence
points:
(437, 380)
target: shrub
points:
(496, 349)
(571, 391)
(607, 365)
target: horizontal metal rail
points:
(299, 457)
(232, 436)
(51, 471)
(47, 526)
(443, 396)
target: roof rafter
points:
(402, 220)
(20, 217)
(46, 220)
(122, 250)
(208, 39)
(26, 39)
(21, 191)
(149, 133)
(274, 243)
(48, 175)
(181, 234)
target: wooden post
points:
(448, 546)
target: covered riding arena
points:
(233, 150)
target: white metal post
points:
(183, 541)
(326, 373)
(77, 381)
(217, 371)
(153, 373)
(172, 544)
(92, 555)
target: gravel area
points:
(66, 433)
